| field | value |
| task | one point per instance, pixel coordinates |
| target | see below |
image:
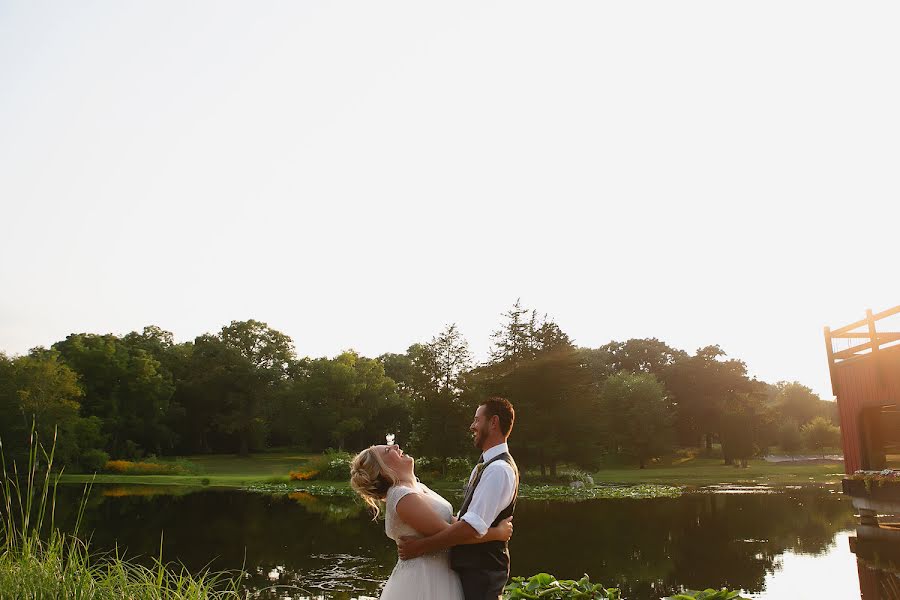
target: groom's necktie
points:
(478, 468)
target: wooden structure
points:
(866, 380)
(865, 377)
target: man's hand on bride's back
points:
(506, 529)
(409, 547)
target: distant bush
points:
(789, 438)
(565, 477)
(459, 468)
(820, 433)
(303, 475)
(580, 476)
(330, 466)
(431, 469)
(127, 467)
(92, 461)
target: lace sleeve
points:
(395, 493)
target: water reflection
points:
(302, 546)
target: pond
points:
(771, 544)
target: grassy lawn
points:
(273, 467)
(710, 471)
(226, 470)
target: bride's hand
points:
(503, 531)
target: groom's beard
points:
(479, 437)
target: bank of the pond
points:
(273, 469)
(709, 471)
(529, 492)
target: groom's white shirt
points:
(494, 492)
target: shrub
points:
(330, 466)
(573, 476)
(93, 460)
(127, 467)
(789, 438)
(185, 467)
(459, 468)
(820, 433)
(303, 475)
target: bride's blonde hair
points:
(371, 478)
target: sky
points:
(359, 175)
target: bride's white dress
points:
(427, 577)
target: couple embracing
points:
(443, 557)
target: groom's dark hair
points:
(503, 408)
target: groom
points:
(490, 497)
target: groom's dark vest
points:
(488, 556)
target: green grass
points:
(272, 468)
(711, 471)
(222, 470)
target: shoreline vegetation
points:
(271, 471)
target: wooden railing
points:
(875, 340)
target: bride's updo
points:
(370, 478)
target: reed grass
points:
(39, 561)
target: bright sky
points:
(359, 174)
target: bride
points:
(385, 474)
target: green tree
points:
(635, 415)
(744, 424)
(350, 402)
(637, 355)
(214, 372)
(820, 434)
(440, 415)
(703, 387)
(260, 360)
(126, 388)
(536, 365)
(513, 341)
(789, 438)
(40, 388)
(12, 426)
(798, 402)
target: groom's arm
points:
(494, 492)
(456, 534)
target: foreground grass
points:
(38, 561)
(64, 568)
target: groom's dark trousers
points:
(482, 585)
(484, 568)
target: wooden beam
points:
(882, 336)
(852, 351)
(887, 313)
(849, 327)
(882, 315)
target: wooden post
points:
(872, 335)
(829, 349)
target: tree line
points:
(245, 389)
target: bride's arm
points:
(418, 514)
